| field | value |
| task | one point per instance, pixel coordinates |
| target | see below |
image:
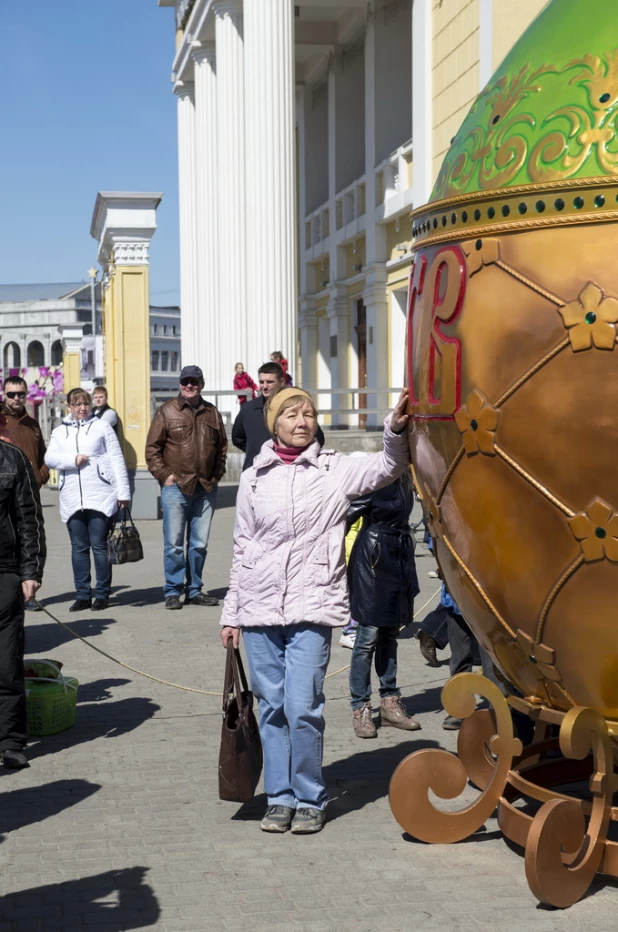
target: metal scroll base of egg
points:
(563, 854)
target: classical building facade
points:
(307, 132)
(36, 318)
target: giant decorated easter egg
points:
(512, 360)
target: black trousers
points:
(12, 692)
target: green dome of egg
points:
(550, 111)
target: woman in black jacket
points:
(383, 584)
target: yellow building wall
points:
(509, 21)
(455, 69)
(71, 371)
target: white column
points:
(376, 301)
(188, 223)
(232, 232)
(340, 338)
(302, 187)
(270, 178)
(308, 324)
(210, 330)
(422, 110)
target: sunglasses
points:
(15, 394)
(190, 382)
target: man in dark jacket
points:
(22, 557)
(25, 433)
(186, 451)
(249, 431)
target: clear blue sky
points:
(87, 106)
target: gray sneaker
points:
(277, 819)
(308, 821)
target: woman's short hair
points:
(78, 394)
(280, 401)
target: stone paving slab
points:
(117, 825)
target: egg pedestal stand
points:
(513, 378)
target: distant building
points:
(164, 348)
(31, 320)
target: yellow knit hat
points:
(274, 404)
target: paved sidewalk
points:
(117, 824)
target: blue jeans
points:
(88, 531)
(383, 643)
(287, 665)
(186, 523)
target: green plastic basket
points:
(50, 705)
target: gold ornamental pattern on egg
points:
(458, 294)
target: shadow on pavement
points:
(115, 901)
(353, 782)
(99, 690)
(47, 636)
(94, 720)
(36, 803)
(128, 596)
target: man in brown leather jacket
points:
(186, 451)
(25, 433)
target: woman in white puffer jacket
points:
(93, 483)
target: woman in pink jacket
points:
(288, 590)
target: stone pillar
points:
(207, 350)
(188, 223)
(124, 224)
(232, 232)
(71, 336)
(338, 316)
(375, 298)
(271, 206)
(308, 325)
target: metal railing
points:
(351, 408)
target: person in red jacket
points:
(278, 357)
(243, 381)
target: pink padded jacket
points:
(289, 562)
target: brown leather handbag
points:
(240, 756)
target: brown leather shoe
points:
(428, 648)
(363, 722)
(392, 712)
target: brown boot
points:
(363, 722)
(392, 712)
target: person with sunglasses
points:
(186, 452)
(25, 433)
(93, 485)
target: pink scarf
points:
(288, 454)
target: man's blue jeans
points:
(287, 665)
(186, 529)
(88, 531)
(382, 642)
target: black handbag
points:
(123, 543)
(240, 756)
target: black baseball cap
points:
(191, 372)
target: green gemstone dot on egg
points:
(578, 202)
(590, 317)
(599, 200)
(474, 424)
(600, 532)
(604, 98)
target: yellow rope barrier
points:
(189, 689)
